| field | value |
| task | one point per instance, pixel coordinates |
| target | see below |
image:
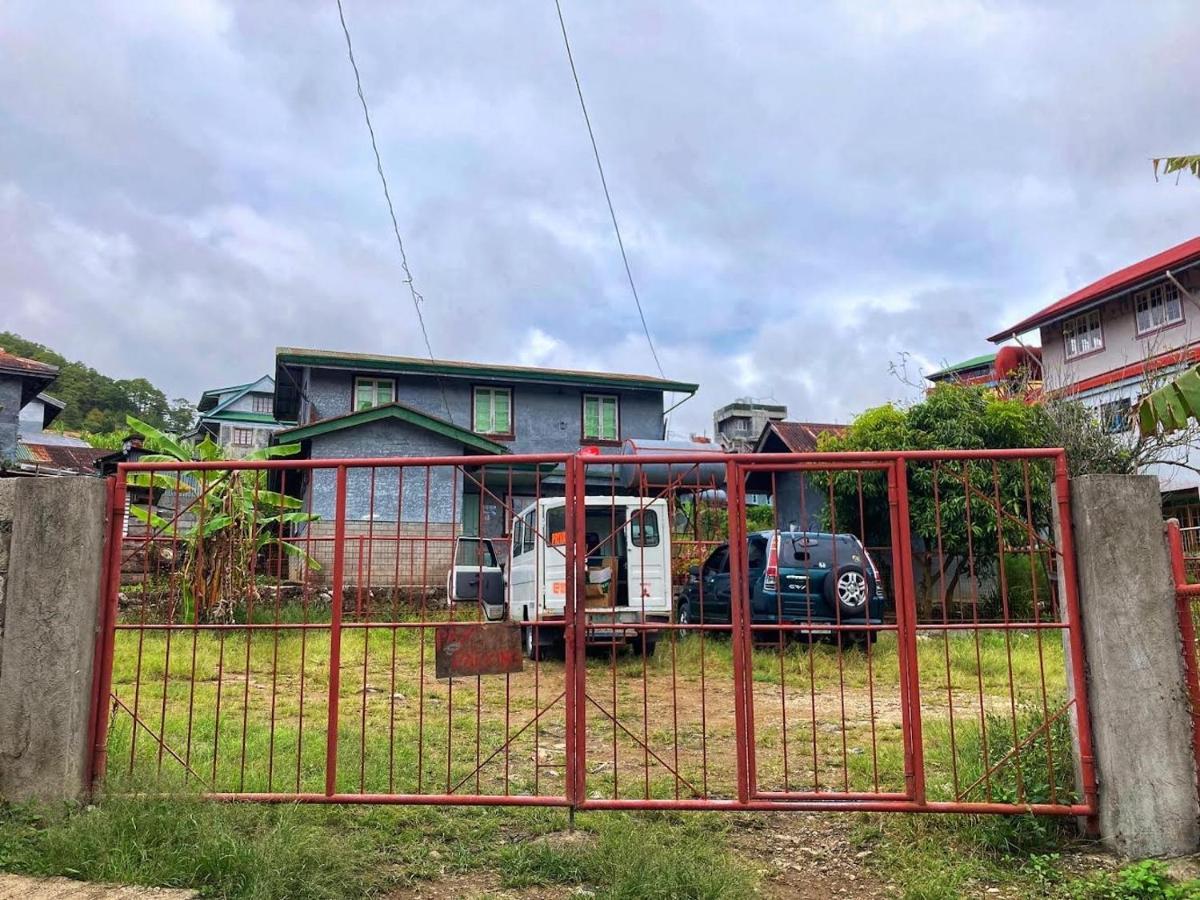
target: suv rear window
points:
(817, 550)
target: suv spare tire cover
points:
(830, 588)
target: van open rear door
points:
(647, 559)
(477, 577)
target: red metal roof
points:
(12, 362)
(800, 437)
(1188, 251)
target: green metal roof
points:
(239, 416)
(975, 362)
(391, 411)
(455, 369)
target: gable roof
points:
(1186, 253)
(58, 459)
(334, 359)
(397, 411)
(798, 437)
(211, 403)
(34, 375)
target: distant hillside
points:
(97, 404)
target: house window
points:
(1157, 307)
(601, 418)
(369, 392)
(262, 403)
(242, 437)
(1115, 416)
(493, 411)
(1082, 334)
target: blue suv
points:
(796, 578)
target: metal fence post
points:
(335, 631)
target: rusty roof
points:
(58, 459)
(800, 437)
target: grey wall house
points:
(357, 406)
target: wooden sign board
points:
(477, 648)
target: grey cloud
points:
(805, 193)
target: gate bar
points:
(335, 631)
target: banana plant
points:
(223, 519)
(1169, 408)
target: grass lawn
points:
(823, 718)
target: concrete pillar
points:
(1141, 720)
(46, 651)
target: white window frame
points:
(235, 431)
(1086, 327)
(602, 398)
(262, 403)
(488, 394)
(375, 385)
(1161, 297)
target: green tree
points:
(953, 509)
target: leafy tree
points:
(1176, 164)
(224, 519)
(952, 505)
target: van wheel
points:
(646, 644)
(529, 643)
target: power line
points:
(604, 183)
(417, 297)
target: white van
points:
(628, 572)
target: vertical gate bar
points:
(577, 686)
(738, 597)
(901, 599)
(1187, 632)
(571, 771)
(335, 631)
(1083, 724)
(909, 632)
(110, 587)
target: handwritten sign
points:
(477, 648)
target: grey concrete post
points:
(1141, 720)
(48, 642)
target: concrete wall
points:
(46, 651)
(546, 418)
(10, 414)
(1141, 720)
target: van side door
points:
(647, 562)
(477, 577)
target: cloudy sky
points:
(806, 190)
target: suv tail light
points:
(874, 571)
(771, 578)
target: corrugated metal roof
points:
(57, 458)
(12, 362)
(1187, 252)
(800, 437)
(975, 362)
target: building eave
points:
(390, 411)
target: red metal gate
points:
(1187, 604)
(283, 630)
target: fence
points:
(1187, 603)
(600, 632)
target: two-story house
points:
(354, 405)
(1107, 343)
(240, 417)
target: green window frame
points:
(372, 392)
(601, 417)
(493, 411)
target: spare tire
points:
(849, 589)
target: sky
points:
(810, 194)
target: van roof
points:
(807, 534)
